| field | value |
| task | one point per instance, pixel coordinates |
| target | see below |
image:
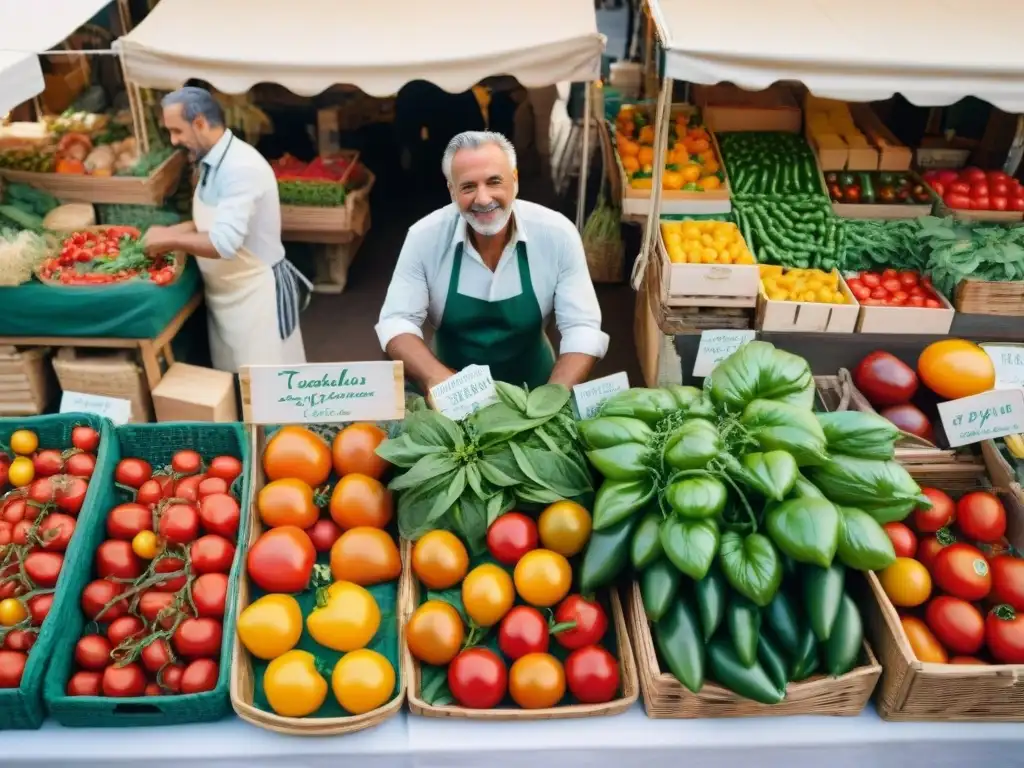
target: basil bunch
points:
(523, 450)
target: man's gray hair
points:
(195, 102)
(475, 140)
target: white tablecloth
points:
(627, 741)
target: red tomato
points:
(47, 463)
(915, 301)
(997, 177)
(1004, 635)
(55, 531)
(879, 293)
(885, 379)
(198, 638)
(899, 298)
(124, 628)
(115, 557)
(589, 618)
(126, 520)
(151, 492)
(930, 546)
(957, 624)
(939, 516)
(853, 283)
(892, 284)
(947, 176)
(69, 494)
(889, 274)
(97, 594)
(871, 280)
(132, 472)
(152, 689)
(962, 571)
(220, 513)
(523, 630)
(21, 530)
(909, 418)
(85, 684)
(170, 565)
(85, 439)
(170, 677)
(908, 279)
(39, 607)
(43, 568)
(199, 676)
(188, 488)
(80, 465)
(225, 467)
(20, 640)
(999, 202)
(123, 682)
(12, 667)
(179, 523)
(41, 491)
(1007, 581)
(981, 517)
(973, 175)
(14, 510)
(153, 604)
(281, 559)
(957, 199)
(511, 536)
(92, 652)
(932, 303)
(186, 462)
(592, 675)
(903, 539)
(155, 655)
(980, 202)
(211, 554)
(212, 485)
(861, 292)
(477, 678)
(323, 533)
(1016, 204)
(210, 593)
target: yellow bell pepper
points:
(346, 617)
(294, 686)
(270, 626)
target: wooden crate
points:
(728, 108)
(907, 320)
(108, 373)
(989, 297)
(807, 316)
(26, 381)
(1002, 473)
(705, 285)
(335, 225)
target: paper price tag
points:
(983, 417)
(116, 409)
(323, 393)
(1008, 360)
(715, 346)
(590, 395)
(467, 391)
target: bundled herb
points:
(870, 245)
(21, 252)
(315, 193)
(523, 450)
(142, 217)
(956, 250)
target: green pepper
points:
(648, 405)
(751, 565)
(692, 445)
(609, 431)
(805, 662)
(785, 427)
(625, 461)
(772, 661)
(690, 545)
(646, 544)
(869, 485)
(805, 489)
(606, 555)
(859, 434)
(711, 593)
(697, 498)
(863, 542)
(844, 645)
(751, 682)
(619, 499)
(805, 529)
(659, 585)
(771, 474)
(678, 638)
(744, 621)
(782, 618)
(823, 592)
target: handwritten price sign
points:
(715, 346)
(983, 417)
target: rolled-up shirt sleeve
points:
(235, 210)
(577, 313)
(406, 304)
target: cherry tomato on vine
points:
(589, 617)
(80, 465)
(211, 554)
(226, 468)
(123, 628)
(146, 545)
(92, 652)
(84, 684)
(199, 676)
(43, 568)
(187, 462)
(155, 655)
(477, 678)
(12, 611)
(209, 593)
(20, 640)
(153, 491)
(211, 485)
(198, 638)
(132, 472)
(592, 675)
(188, 488)
(153, 603)
(125, 681)
(48, 463)
(179, 523)
(39, 608)
(85, 438)
(98, 594)
(126, 520)
(12, 667)
(523, 630)
(170, 565)
(220, 514)
(170, 677)
(69, 494)
(55, 531)
(116, 558)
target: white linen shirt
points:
(558, 271)
(241, 186)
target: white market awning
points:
(21, 78)
(307, 46)
(933, 52)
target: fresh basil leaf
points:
(501, 467)
(427, 468)
(498, 423)
(446, 500)
(498, 505)
(536, 495)
(495, 476)
(474, 481)
(550, 471)
(434, 685)
(469, 521)
(431, 428)
(403, 452)
(547, 400)
(511, 395)
(414, 507)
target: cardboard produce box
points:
(191, 393)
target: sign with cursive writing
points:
(983, 417)
(116, 409)
(467, 391)
(715, 346)
(590, 395)
(323, 393)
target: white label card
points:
(983, 417)
(324, 393)
(467, 391)
(114, 408)
(715, 346)
(1008, 360)
(590, 395)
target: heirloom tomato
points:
(365, 556)
(362, 680)
(954, 368)
(962, 571)
(439, 559)
(293, 685)
(287, 502)
(323, 533)
(297, 452)
(435, 633)
(281, 560)
(542, 577)
(270, 626)
(360, 501)
(345, 617)
(354, 451)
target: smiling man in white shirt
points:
(487, 272)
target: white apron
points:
(245, 314)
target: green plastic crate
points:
(22, 707)
(156, 443)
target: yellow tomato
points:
(709, 256)
(12, 611)
(270, 626)
(345, 618)
(770, 270)
(24, 442)
(542, 577)
(906, 582)
(676, 254)
(21, 472)
(690, 230)
(362, 681)
(293, 685)
(745, 257)
(439, 559)
(488, 594)
(146, 545)
(564, 527)
(825, 294)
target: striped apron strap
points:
(291, 298)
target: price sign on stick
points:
(1008, 360)
(322, 393)
(983, 417)
(467, 391)
(715, 346)
(116, 409)
(590, 395)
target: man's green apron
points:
(507, 335)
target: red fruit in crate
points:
(884, 379)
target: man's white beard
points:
(490, 228)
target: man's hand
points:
(159, 240)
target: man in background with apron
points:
(253, 294)
(488, 271)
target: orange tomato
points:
(906, 582)
(299, 453)
(536, 681)
(358, 500)
(354, 451)
(365, 556)
(287, 502)
(487, 594)
(542, 577)
(923, 643)
(690, 172)
(439, 560)
(710, 182)
(646, 156)
(435, 633)
(627, 147)
(696, 146)
(672, 180)
(954, 368)
(630, 164)
(646, 135)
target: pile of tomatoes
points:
(37, 520)
(154, 611)
(957, 570)
(894, 289)
(478, 629)
(977, 190)
(330, 599)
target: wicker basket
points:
(627, 672)
(108, 373)
(666, 697)
(26, 381)
(243, 681)
(915, 690)
(180, 257)
(341, 224)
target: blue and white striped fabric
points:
(290, 298)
